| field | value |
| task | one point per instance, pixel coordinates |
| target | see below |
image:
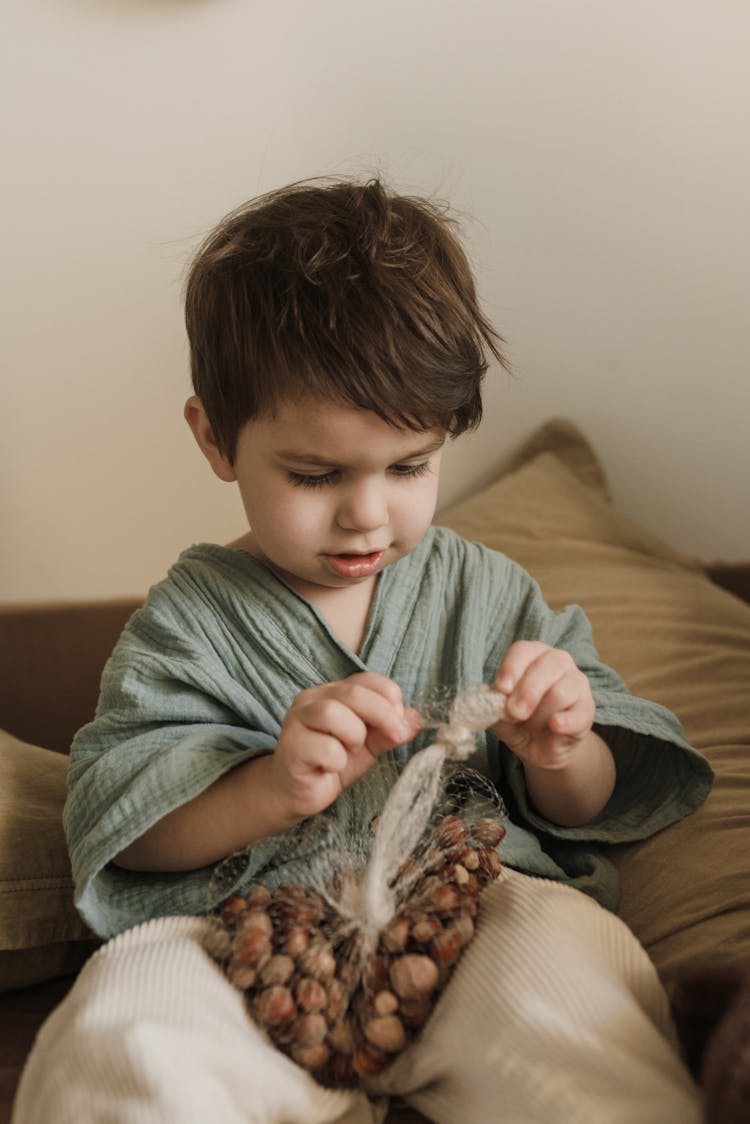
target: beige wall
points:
(599, 149)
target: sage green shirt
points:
(203, 675)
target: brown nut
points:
(310, 994)
(296, 941)
(231, 909)
(241, 976)
(217, 942)
(413, 976)
(318, 961)
(424, 931)
(309, 1030)
(278, 970)
(252, 948)
(274, 1006)
(257, 897)
(415, 1012)
(468, 858)
(255, 919)
(488, 832)
(445, 947)
(450, 830)
(464, 926)
(396, 934)
(445, 898)
(385, 1003)
(369, 1061)
(311, 1057)
(386, 1032)
(489, 862)
(341, 1037)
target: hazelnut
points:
(395, 934)
(464, 926)
(445, 947)
(414, 1012)
(310, 994)
(468, 858)
(309, 1030)
(488, 832)
(489, 862)
(425, 930)
(341, 1037)
(231, 909)
(445, 898)
(386, 1032)
(274, 1006)
(318, 961)
(296, 941)
(255, 919)
(278, 970)
(257, 897)
(252, 948)
(241, 976)
(385, 1003)
(449, 831)
(413, 976)
(368, 1061)
(217, 942)
(311, 1057)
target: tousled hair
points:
(339, 290)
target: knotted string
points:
(410, 802)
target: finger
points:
(375, 709)
(332, 717)
(515, 662)
(322, 753)
(550, 668)
(389, 689)
(575, 721)
(567, 692)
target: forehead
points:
(313, 429)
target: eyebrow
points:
(326, 462)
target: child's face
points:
(334, 494)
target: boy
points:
(336, 344)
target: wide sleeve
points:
(171, 719)
(660, 778)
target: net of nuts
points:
(338, 1014)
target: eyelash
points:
(404, 471)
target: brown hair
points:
(340, 290)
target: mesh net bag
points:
(342, 971)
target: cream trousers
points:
(554, 1015)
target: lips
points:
(354, 565)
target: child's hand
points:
(550, 708)
(331, 735)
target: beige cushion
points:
(676, 638)
(41, 934)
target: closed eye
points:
(322, 479)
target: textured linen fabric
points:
(152, 1033)
(204, 674)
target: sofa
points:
(676, 628)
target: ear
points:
(197, 419)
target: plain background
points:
(597, 152)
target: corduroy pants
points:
(554, 1015)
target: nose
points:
(363, 506)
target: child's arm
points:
(331, 736)
(569, 769)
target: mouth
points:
(354, 565)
